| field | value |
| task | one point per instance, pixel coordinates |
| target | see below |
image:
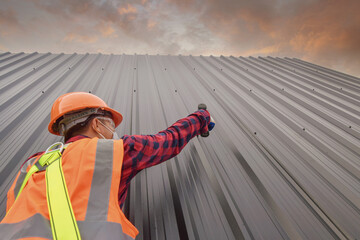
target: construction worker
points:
(77, 190)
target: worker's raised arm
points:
(143, 151)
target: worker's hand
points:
(211, 124)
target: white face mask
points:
(115, 136)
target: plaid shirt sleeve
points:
(143, 151)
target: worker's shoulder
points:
(30, 159)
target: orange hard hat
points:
(77, 101)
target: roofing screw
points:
(349, 126)
(175, 90)
(313, 89)
(102, 69)
(89, 91)
(165, 69)
(255, 133)
(194, 68)
(134, 90)
(221, 69)
(42, 91)
(33, 68)
(134, 68)
(282, 89)
(304, 129)
(250, 90)
(214, 89)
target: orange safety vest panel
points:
(92, 170)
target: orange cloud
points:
(326, 32)
(107, 31)
(254, 22)
(127, 10)
(151, 24)
(314, 42)
(8, 23)
(263, 51)
(74, 37)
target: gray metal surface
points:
(283, 161)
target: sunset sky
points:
(325, 32)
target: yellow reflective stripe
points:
(32, 170)
(62, 219)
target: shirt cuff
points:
(204, 116)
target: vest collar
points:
(75, 138)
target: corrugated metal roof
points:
(283, 161)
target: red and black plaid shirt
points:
(143, 151)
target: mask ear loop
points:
(112, 123)
(115, 136)
(101, 135)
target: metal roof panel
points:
(283, 161)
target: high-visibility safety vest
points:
(92, 172)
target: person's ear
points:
(95, 125)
